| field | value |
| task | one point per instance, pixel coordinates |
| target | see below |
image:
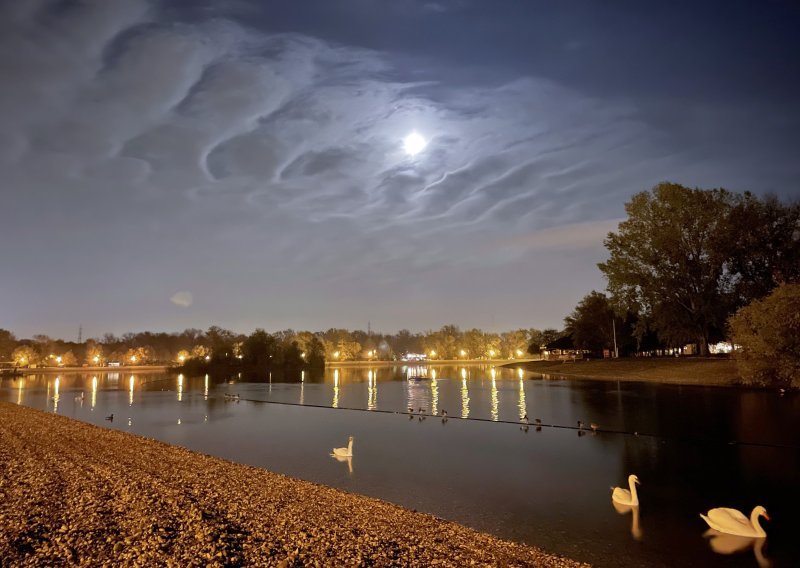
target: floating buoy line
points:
(536, 426)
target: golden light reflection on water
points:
(131, 382)
(434, 394)
(372, 390)
(20, 387)
(56, 396)
(205, 387)
(523, 407)
(495, 399)
(180, 387)
(94, 391)
(464, 395)
(335, 402)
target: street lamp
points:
(335, 354)
(96, 359)
(133, 358)
(463, 353)
(433, 353)
(58, 359)
(491, 353)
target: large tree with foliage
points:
(593, 324)
(768, 333)
(670, 260)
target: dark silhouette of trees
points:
(685, 259)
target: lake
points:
(693, 448)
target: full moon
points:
(414, 143)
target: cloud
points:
(183, 299)
(196, 144)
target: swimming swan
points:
(731, 521)
(625, 497)
(344, 452)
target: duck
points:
(110, 417)
(524, 419)
(731, 521)
(344, 452)
(444, 416)
(538, 421)
(79, 398)
(580, 424)
(624, 496)
(594, 427)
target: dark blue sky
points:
(175, 164)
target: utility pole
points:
(614, 327)
(80, 333)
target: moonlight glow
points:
(414, 143)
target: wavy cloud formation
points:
(210, 143)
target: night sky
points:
(180, 164)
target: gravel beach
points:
(76, 494)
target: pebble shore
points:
(73, 494)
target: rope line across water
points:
(519, 423)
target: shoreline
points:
(81, 494)
(694, 371)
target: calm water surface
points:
(693, 448)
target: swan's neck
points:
(634, 496)
(756, 524)
(350, 446)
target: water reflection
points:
(722, 543)
(335, 403)
(434, 394)
(544, 487)
(348, 460)
(180, 388)
(130, 391)
(464, 395)
(56, 397)
(636, 529)
(495, 398)
(372, 391)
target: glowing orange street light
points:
(133, 358)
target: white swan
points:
(625, 497)
(731, 521)
(344, 452)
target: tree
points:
(767, 248)
(259, 349)
(513, 344)
(68, 359)
(7, 344)
(25, 355)
(592, 324)
(768, 333)
(94, 353)
(671, 260)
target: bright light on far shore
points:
(414, 143)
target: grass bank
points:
(683, 371)
(79, 495)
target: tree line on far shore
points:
(216, 347)
(697, 267)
